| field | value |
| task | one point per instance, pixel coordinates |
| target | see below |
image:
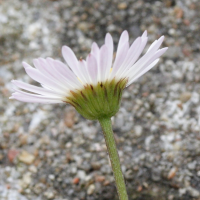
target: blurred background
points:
(51, 152)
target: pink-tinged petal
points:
(85, 77)
(71, 60)
(142, 72)
(49, 62)
(144, 35)
(159, 53)
(103, 63)
(95, 51)
(134, 52)
(132, 55)
(69, 57)
(92, 68)
(63, 80)
(139, 66)
(25, 98)
(144, 59)
(57, 79)
(44, 68)
(39, 65)
(109, 45)
(39, 77)
(155, 45)
(123, 38)
(120, 57)
(49, 69)
(66, 72)
(28, 94)
(35, 89)
(54, 69)
(26, 65)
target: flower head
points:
(93, 86)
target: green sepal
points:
(99, 101)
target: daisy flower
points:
(93, 86)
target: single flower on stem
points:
(93, 86)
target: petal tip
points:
(108, 35)
(144, 34)
(64, 48)
(162, 38)
(25, 65)
(164, 49)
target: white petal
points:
(69, 57)
(57, 71)
(47, 69)
(156, 44)
(139, 74)
(123, 38)
(71, 60)
(27, 94)
(92, 68)
(120, 57)
(63, 80)
(131, 55)
(95, 51)
(85, 77)
(67, 73)
(146, 59)
(57, 79)
(144, 34)
(39, 65)
(109, 45)
(39, 77)
(103, 67)
(139, 66)
(159, 53)
(24, 98)
(26, 65)
(35, 89)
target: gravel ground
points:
(51, 152)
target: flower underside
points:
(93, 85)
(100, 101)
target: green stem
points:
(114, 157)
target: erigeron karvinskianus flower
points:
(93, 86)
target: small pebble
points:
(26, 157)
(91, 189)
